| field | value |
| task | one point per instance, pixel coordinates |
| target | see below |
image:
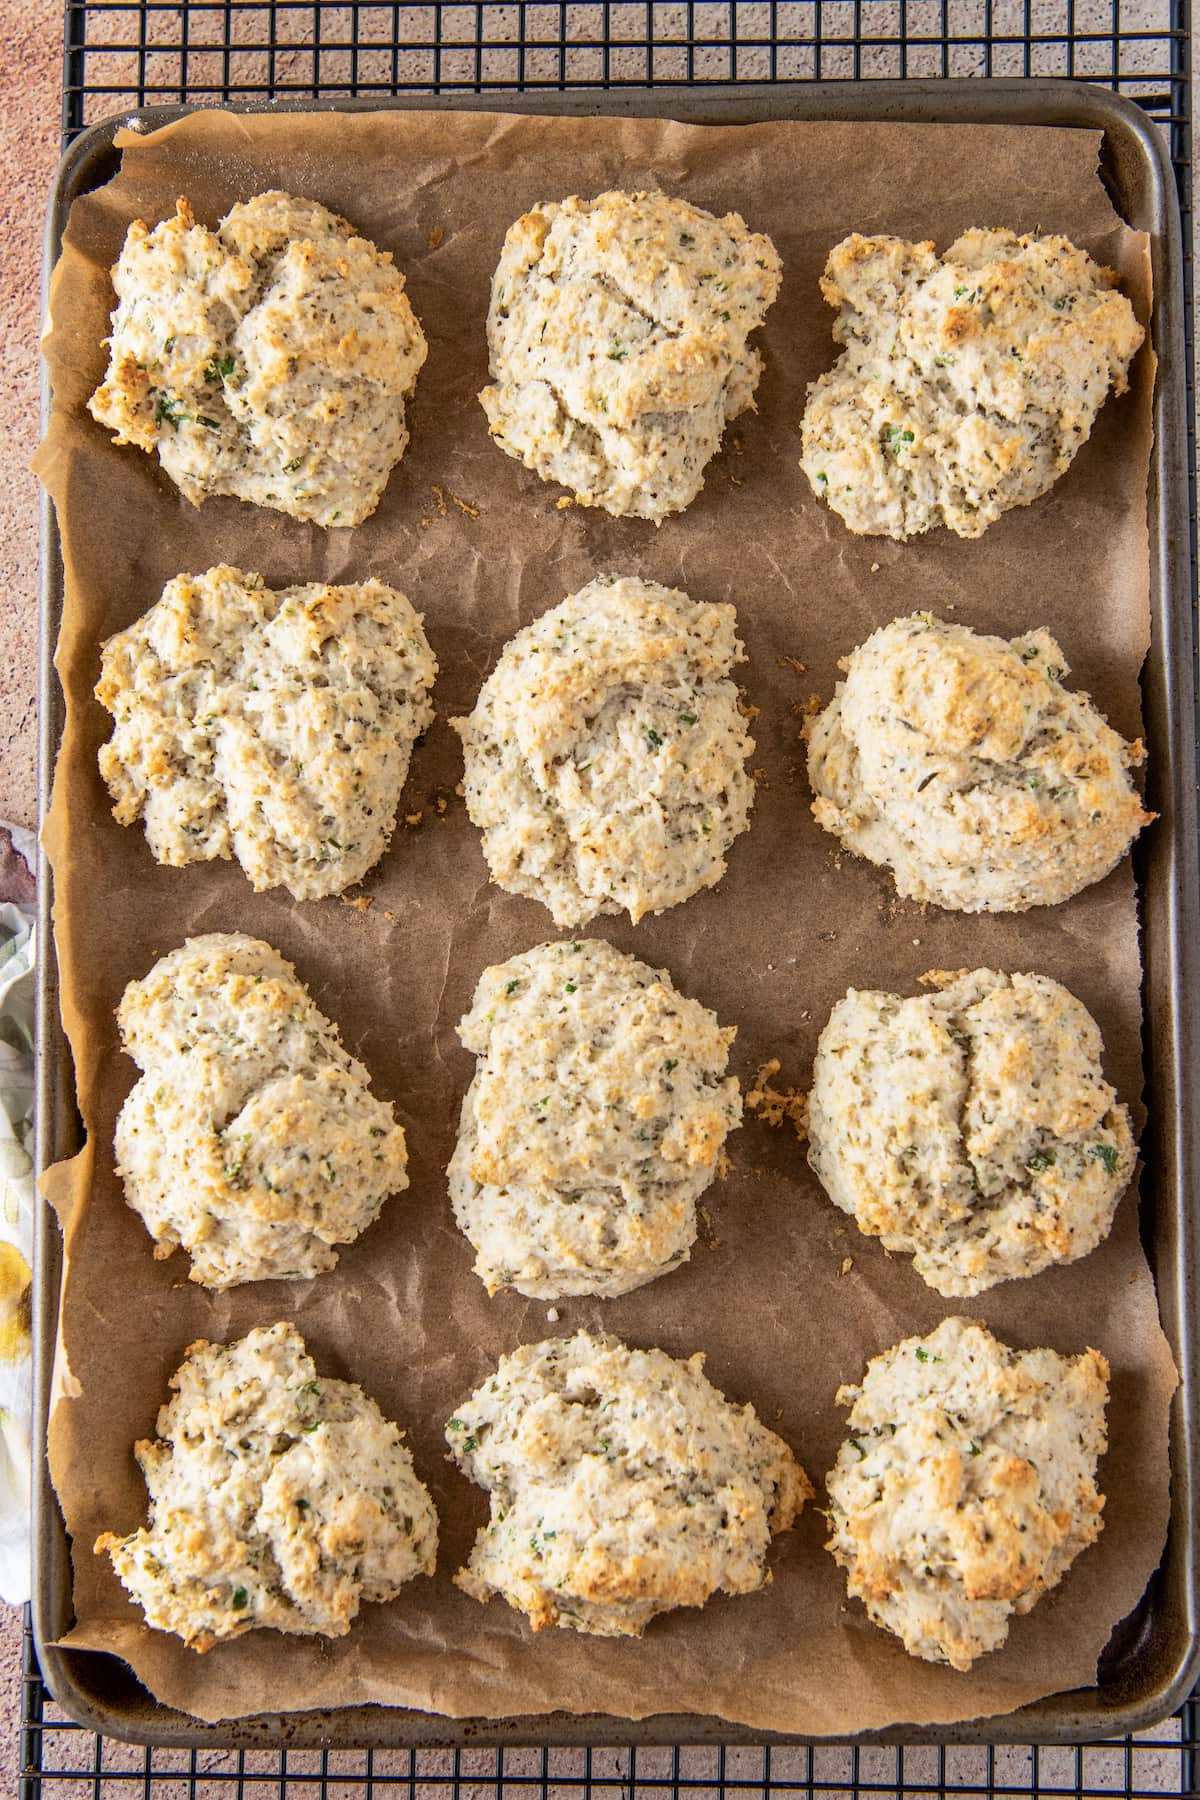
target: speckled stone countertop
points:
(30, 110)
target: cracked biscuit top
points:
(269, 359)
(966, 384)
(622, 1484)
(972, 1127)
(605, 756)
(252, 1138)
(618, 337)
(278, 1499)
(596, 1120)
(963, 764)
(967, 1485)
(274, 726)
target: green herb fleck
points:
(167, 412)
(1041, 1159)
(1105, 1153)
(618, 353)
(241, 1599)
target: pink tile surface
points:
(30, 106)
(30, 77)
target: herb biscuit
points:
(252, 1138)
(618, 339)
(269, 359)
(278, 1498)
(972, 1127)
(963, 764)
(605, 756)
(274, 726)
(622, 1484)
(966, 384)
(967, 1485)
(595, 1121)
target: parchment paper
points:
(791, 926)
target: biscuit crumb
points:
(774, 1105)
(435, 237)
(440, 508)
(847, 1265)
(708, 1236)
(563, 501)
(552, 1315)
(361, 902)
(793, 663)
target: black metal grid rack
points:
(127, 52)
(63, 1761)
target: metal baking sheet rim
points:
(1155, 1663)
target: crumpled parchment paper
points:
(481, 547)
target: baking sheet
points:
(771, 948)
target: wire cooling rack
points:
(62, 1761)
(125, 52)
